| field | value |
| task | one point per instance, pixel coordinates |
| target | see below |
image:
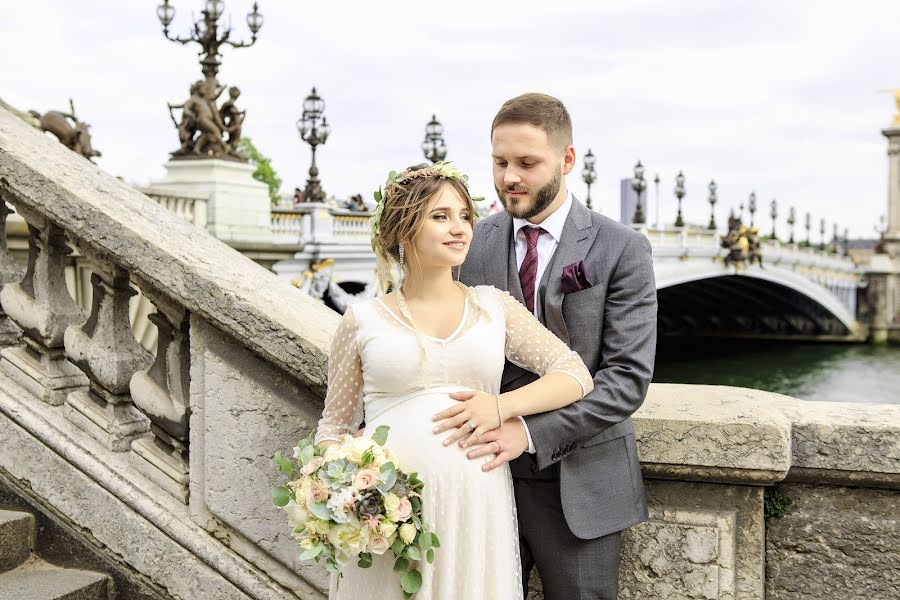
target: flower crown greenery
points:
(395, 180)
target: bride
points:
(396, 360)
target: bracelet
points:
(499, 416)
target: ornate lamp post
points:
(713, 198)
(656, 185)
(638, 185)
(822, 234)
(835, 239)
(434, 147)
(807, 223)
(752, 206)
(206, 33)
(314, 130)
(679, 193)
(845, 242)
(589, 174)
(773, 212)
(792, 218)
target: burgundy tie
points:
(528, 270)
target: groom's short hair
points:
(544, 112)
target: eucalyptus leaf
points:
(320, 510)
(381, 434)
(411, 582)
(435, 542)
(401, 565)
(429, 556)
(312, 552)
(285, 465)
(281, 496)
(413, 553)
(365, 560)
(307, 454)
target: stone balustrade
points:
(191, 208)
(165, 461)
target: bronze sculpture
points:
(75, 135)
(203, 126)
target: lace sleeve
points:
(535, 348)
(343, 410)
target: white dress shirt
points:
(546, 246)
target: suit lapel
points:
(499, 258)
(577, 237)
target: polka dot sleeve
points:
(535, 348)
(343, 412)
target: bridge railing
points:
(167, 461)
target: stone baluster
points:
(10, 272)
(162, 392)
(41, 305)
(105, 349)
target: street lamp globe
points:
(324, 130)
(166, 13)
(215, 8)
(313, 106)
(434, 128)
(254, 20)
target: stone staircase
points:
(25, 576)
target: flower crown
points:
(395, 180)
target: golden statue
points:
(896, 93)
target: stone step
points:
(16, 538)
(39, 580)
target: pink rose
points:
(378, 544)
(317, 493)
(365, 479)
(311, 467)
(404, 510)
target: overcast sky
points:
(779, 97)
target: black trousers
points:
(570, 568)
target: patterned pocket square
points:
(574, 278)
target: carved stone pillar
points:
(105, 349)
(41, 305)
(162, 392)
(10, 272)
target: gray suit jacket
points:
(612, 326)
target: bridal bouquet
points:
(350, 501)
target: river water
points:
(832, 372)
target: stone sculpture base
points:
(238, 206)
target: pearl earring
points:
(401, 256)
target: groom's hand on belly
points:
(512, 440)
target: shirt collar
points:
(553, 224)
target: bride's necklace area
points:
(407, 312)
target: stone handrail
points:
(167, 461)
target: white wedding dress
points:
(377, 371)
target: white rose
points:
(297, 515)
(378, 544)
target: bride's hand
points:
(474, 415)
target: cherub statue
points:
(232, 118)
(199, 114)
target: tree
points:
(264, 171)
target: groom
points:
(590, 281)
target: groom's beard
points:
(542, 198)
